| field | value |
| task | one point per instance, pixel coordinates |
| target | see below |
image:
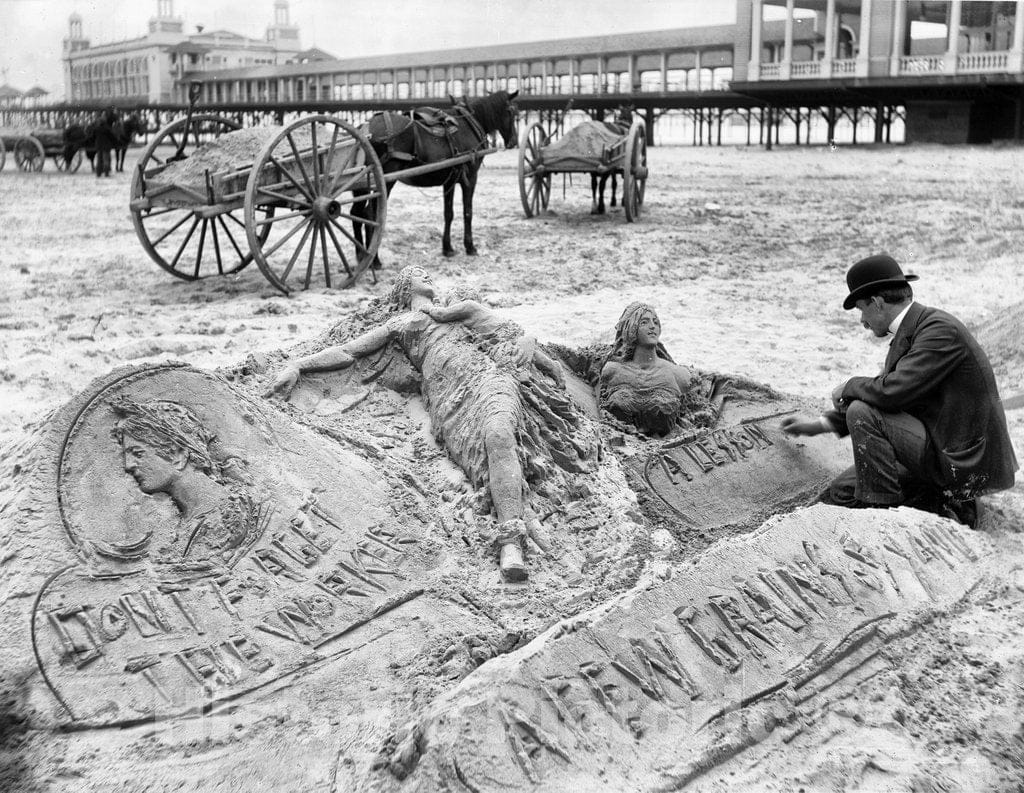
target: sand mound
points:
(660, 686)
(1002, 338)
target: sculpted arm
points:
(457, 312)
(548, 366)
(340, 356)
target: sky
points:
(32, 31)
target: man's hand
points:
(837, 397)
(793, 425)
(284, 382)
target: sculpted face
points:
(152, 472)
(648, 330)
(420, 284)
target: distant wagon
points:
(31, 147)
(592, 147)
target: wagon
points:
(592, 148)
(208, 198)
(31, 147)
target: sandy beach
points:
(743, 253)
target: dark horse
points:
(125, 130)
(80, 137)
(430, 136)
(620, 126)
(109, 129)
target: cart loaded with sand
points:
(31, 146)
(208, 198)
(593, 147)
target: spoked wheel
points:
(321, 175)
(534, 180)
(71, 167)
(634, 170)
(185, 240)
(29, 154)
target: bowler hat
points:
(871, 275)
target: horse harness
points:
(428, 125)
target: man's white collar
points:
(895, 324)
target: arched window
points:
(845, 45)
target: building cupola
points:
(282, 34)
(75, 40)
(165, 21)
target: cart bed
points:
(589, 146)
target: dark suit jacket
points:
(936, 372)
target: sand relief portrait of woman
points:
(510, 427)
(167, 450)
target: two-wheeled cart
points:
(31, 147)
(209, 197)
(591, 147)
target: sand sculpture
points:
(188, 549)
(659, 687)
(493, 411)
(640, 383)
(194, 572)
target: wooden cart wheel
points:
(29, 154)
(634, 170)
(3, 154)
(321, 174)
(182, 240)
(534, 179)
(73, 166)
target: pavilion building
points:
(149, 68)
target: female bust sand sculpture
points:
(505, 428)
(640, 383)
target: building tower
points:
(282, 34)
(165, 21)
(75, 40)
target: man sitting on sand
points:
(930, 429)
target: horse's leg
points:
(468, 183)
(594, 183)
(600, 193)
(361, 232)
(449, 215)
(613, 189)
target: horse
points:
(125, 130)
(428, 136)
(620, 126)
(80, 137)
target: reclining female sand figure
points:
(641, 385)
(502, 340)
(502, 430)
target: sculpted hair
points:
(400, 294)
(626, 332)
(169, 428)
